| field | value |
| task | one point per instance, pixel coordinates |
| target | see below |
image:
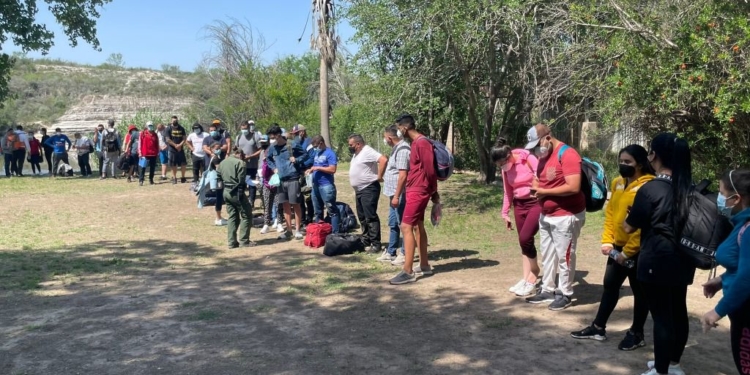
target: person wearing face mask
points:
(734, 255)
(48, 150)
(176, 137)
(270, 198)
(98, 139)
(557, 187)
(518, 170)
(148, 149)
(660, 210)
(198, 154)
(131, 150)
(323, 183)
(58, 143)
(82, 146)
(635, 172)
(215, 145)
(394, 188)
(249, 141)
(365, 175)
(286, 159)
(162, 132)
(111, 147)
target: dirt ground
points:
(111, 278)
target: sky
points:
(149, 33)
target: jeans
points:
(151, 168)
(394, 223)
(199, 165)
(100, 158)
(614, 276)
(325, 196)
(9, 165)
(19, 156)
(668, 307)
(367, 212)
(83, 163)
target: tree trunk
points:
(325, 130)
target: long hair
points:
(500, 150)
(641, 157)
(674, 154)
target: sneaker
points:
(299, 236)
(183, 180)
(163, 178)
(264, 230)
(385, 257)
(632, 341)
(422, 272)
(248, 244)
(220, 222)
(372, 249)
(140, 183)
(280, 228)
(400, 260)
(561, 302)
(233, 246)
(174, 181)
(275, 223)
(403, 278)
(526, 289)
(651, 372)
(519, 284)
(590, 333)
(285, 236)
(673, 369)
(541, 297)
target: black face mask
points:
(352, 150)
(627, 171)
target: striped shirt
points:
(398, 161)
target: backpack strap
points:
(742, 231)
(561, 152)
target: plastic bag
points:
(275, 180)
(436, 214)
(143, 162)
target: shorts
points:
(177, 159)
(416, 205)
(164, 156)
(289, 191)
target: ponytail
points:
(500, 150)
(674, 153)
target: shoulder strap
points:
(742, 231)
(561, 152)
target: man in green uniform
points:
(231, 173)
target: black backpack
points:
(342, 244)
(705, 228)
(347, 219)
(110, 142)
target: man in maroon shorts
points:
(421, 186)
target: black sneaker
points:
(541, 297)
(183, 180)
(561, 303)
(632, 341)
(590, 333)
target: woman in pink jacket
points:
(519, 170)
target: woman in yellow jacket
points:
(622, 250)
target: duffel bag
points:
(317, 233)
(342, 244)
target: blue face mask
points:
(245, 131)
(721, 203)
(215, 134)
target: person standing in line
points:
(286, 160)
(365, 174)
(35, 155)
(323, 183)
(421, 187)
(98, 140)
(232, 172)
(394, 188)
(8, 141)
(621, 250)
(215, 147)
(131, 148)
(249, 142)
(518, 169)
(660, 211)
(270, 196)
(111, 147)
(58, 142)
(162, 131)
(558, 190)
(83, 147)
(734, 202)
(48, 150)
(306, 204)
(198, 154)
(176, 138)
(148, 148)
(20, 149)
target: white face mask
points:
(273, 142)
(399, 134)
(385, 140)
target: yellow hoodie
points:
(617, 210)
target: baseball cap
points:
(216, 122)
(297, 128)
(533, 137)
(251, 122)
(132, 127)
(150, 123)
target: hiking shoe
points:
(673, 369)
(234, 246)
(183, 180)
(400, 259)
(526, 289)
(385, 257)
(632, 341)
(561, 302)
(248, 244)
(174, 181)
(541, 297)
(220, 222)
(590, 333)
(422, 272)
(264, 230)
(515, 287)
(299, 236)
(151, 182)
(285, 236)
(403, 278)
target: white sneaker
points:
(651, 372)
(518, 285)
(264, 230)
(673, 369)
(220, 222)
(385, 257)
(275, 223)
(400, 259)
(299, 236)
(526, 289)
(280, 228)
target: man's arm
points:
(382, 163)
(26, 141)
(400, 185)
(190, 145)
(70, 144)
(572, 186)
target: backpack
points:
(347, 219)
(110, 142)
(705, 228)
(316, 234)
(443, 160)
(342, 244)
(594, 183)
(124, 162)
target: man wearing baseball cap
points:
(558, 190)
(249, 142)
(300, 137)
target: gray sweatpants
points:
(110, 161)
(559, 239)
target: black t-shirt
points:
(211, 142)
(660, 260)
(176, 135)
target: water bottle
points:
(628, 263)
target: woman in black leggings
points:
(660, 210)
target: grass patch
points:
(333, 284)
(205, 315)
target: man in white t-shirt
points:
(365, 175)
(195, 143)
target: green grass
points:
(205, 315)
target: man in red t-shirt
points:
(558, 188)
(421, 187)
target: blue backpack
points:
(594, 182)
(443, 160)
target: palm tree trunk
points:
(325, 131)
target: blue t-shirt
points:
(57, 142)
(326, 158)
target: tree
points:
(324, 39)
(115, 60)
(18, 24)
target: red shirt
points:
(422, 175)
(149, 144)
(551, 172)
(36, 146)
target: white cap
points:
(251, 122)
(533, 138)
(150, 123)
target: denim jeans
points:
(9, 163)
(394, 222)
(325, 196)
